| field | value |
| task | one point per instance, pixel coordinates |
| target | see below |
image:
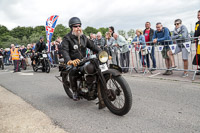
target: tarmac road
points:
(159, 106)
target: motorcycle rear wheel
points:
(66, 86)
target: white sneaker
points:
(185, 75)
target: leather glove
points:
(70, 62)
(74, 62)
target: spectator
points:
(112, 48)
(53, 52)
(111, 30)
(148, 34)
(58, 43)
(91, 36)
(15, 53)
(29, 54)
(196, 60)
(162, 35)
(122, 44)
(23, 51)
(100, 41)
(140, 40)
(181, 35)
(6, 57)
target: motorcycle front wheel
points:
(47, 66)
(34, 67)
(118, 96)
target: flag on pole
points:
(50, 25)
(187, 45)
(173, 48)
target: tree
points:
(3, 30)
(89, 30)
(18, 32)
(7, 40)
(60, 30)
(103, 31)
(39, 29)
(131, 33)
(34, 37)
(24, 41)
(122, 33)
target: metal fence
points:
(139, 65)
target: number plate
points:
(1, 57)
(44, 55)
(103, 67)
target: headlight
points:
(103, 56)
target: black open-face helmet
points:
(73, 21)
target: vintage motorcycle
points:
(42, 63)
(96, 80)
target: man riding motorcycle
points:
(40, 46)
(74, 47)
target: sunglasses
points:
(75, 26)
(176, 23)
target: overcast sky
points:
(122, 14)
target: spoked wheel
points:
(66, 85)
(47, 66)
(34, 67)
(118, 97)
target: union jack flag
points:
(50, 25)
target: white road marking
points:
(26, 74)
(154, 75)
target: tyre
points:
(34, 67)
(2, 66)
(47, 66)
(118, 97)
(66, 85)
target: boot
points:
(75, 94)
(166, 72)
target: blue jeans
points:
(152, 58)
(6, 60)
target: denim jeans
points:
(152, 58)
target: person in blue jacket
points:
(162, 37)
(140, 40)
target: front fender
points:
(114, 72)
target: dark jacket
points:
(150, 33)
(39, 47)
(70, 53)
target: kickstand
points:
(59, 79)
